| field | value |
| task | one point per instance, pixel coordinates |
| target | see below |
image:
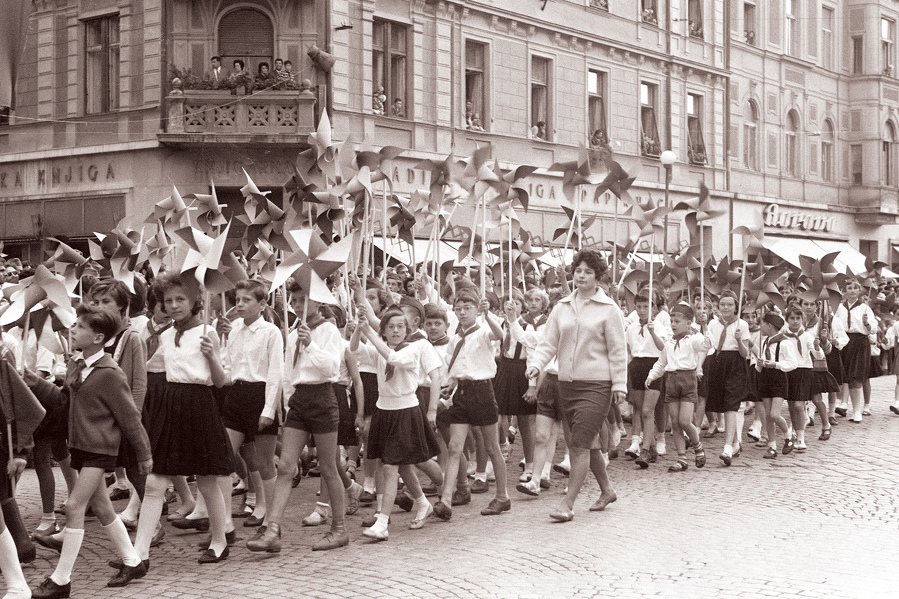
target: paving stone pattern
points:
(819, 524)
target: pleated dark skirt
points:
(835, 366)
(799, 384)
(856, 358)
(186, 433)
(509, 388)
(727, 380)
(401, 437)
(823, 382)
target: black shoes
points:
(51, 590)
(127, 574)
(209, 556)
(201, 524)
(48, 541)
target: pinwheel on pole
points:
(118, 252)
(68, 262)
(263, 219)
(618, 181)
(574, 231)
(203, 264)
(753, 235)
(311, 264)
(761, 287)
(208, 214)
(649, 221)
(484, 179)
(723, 275)
(320, 162)
(575, 173)
(678, 270)
(699, 210)
(171, 213)
(157, 247)
(821, 280)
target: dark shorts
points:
(313, 408)
(681, 385)
(772, 383)
(548, 397)
(87, 459)
(474, 404)
(346, 429)
(638, 370)
(585, 405)
(244, 403)
(509, 388)
(799, 385)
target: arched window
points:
(751, 136)
(791, 146)
(827, 151)
(889, 160)
(246, 34)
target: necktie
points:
(75, 381)
(849, 314)
(795, 336)
(153, 339)
(766, 347)
(642, 326)
(389, 369)
(458, 347)
(180, 327)
(442, 341)
(677, 339)
(723, 335)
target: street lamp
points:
(668, 159)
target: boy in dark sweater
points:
(101, 413)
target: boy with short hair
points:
(470, 371)
(678, 361)
(101, 414)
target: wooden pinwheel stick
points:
(742, 282)
(383, 232)
(702, 262)
(366, 232)
(25, 329)
(9, 448)
(615, 242)
(652, 245)
(484, 248)
(511, 261)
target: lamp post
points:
(668, 159)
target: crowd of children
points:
(405, 390)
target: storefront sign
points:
(775, 217)
(38, 176)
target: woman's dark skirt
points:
(186, 433)
(856, 358)
(509, 388)
(401, 437)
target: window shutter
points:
(775, 19)
(246, 32)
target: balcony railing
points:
(219, 113)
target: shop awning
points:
(790, 248)
(402, 251)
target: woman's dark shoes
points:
(825, 435)
(643, 460)
(230, 538)
(118, 494)
(201, 524)
(117, 564)
(209, 556)
(127, 574)
(51, 590)
(253, 522)
(269, 542)
(48, 541)
(841, 412)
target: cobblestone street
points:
(819, 524)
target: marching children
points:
(822, 380)
(776, 359)
(470, 373)
(856, 355)
(312, 364)
(400, 436)
(646, 338)
(678, 362)
(799, 380)
(101, 414)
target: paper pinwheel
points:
(376, 160)
(157, 247)
(67, 261)
(761, 287)
(448, 182)
(312, 263)
(119, 253)
(171, 212)
(470, 246)
(649, 218)
(263, 219)
(28, 293)
(203, 262)
(724, 275)
(618, 181)
(575, 173)
(401, 217)
(819, 280)
(753, 233)
(209, 212)
(680, 272)
(320, 161)
(576, 225)
(699, 209)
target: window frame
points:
(856, 159)
(696, 148)
(694, 19)
(827, 151)
(750, 34)
(547, 89)
(105, 57)
(887, 47)
(389, 54)
(857, 59)
(485, 96)
(649, 12)
(593, 115)
(792, 35)
(650, 145)
(888, 155)
(827, 37)
(791, 144)
(751, 138)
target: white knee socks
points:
(16, 586)
(71, 545)
(118, 535)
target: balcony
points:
(198, 117)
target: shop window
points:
(475, 86)
(827, 37)
(855, 163)
(889, 155)
(246, 34)
(101, 62)
(827, 156)
(887, 46)
(792, 41)
(751, 136)
(596, 85)
(695, 143)
(4, 116)
(694, 18)
(749, 22)
(649, 12)
(868, 248)
(389, 51)
(791, 145)
(600, 4)
(541, 69)
(858, 50)
(649, 129)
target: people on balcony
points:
(264, 78)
